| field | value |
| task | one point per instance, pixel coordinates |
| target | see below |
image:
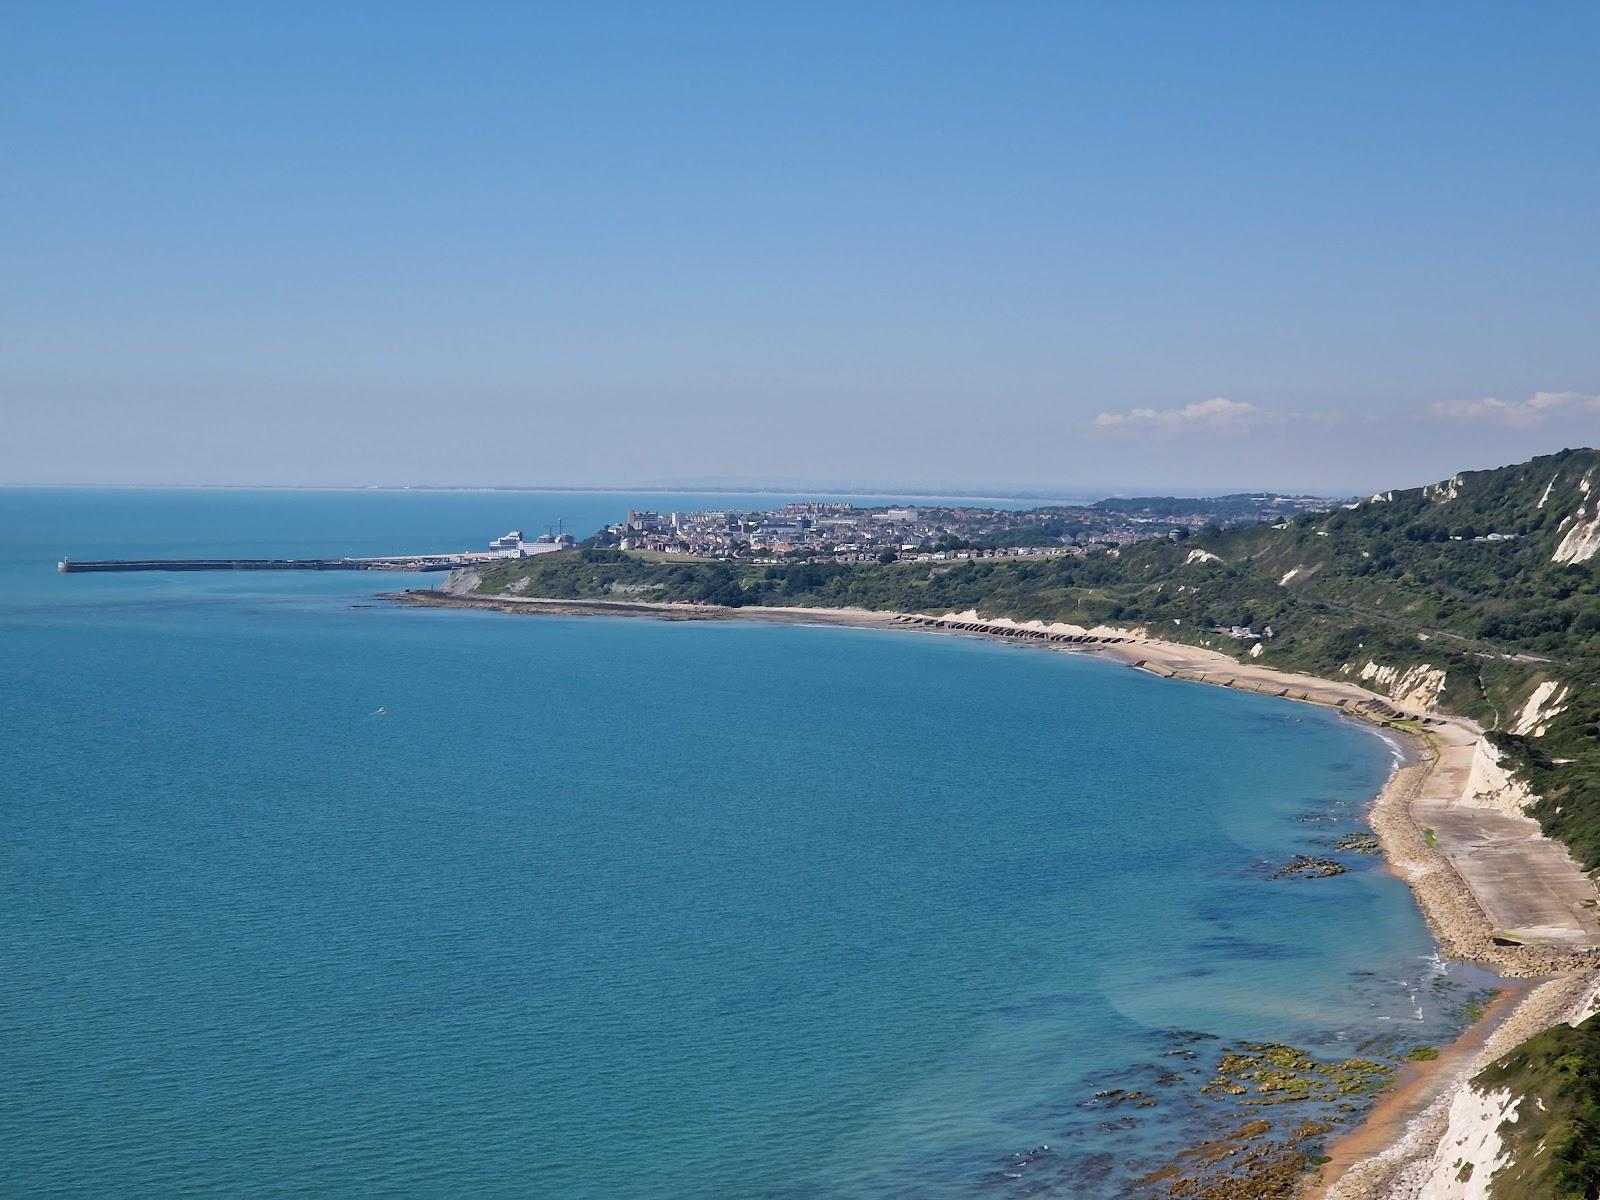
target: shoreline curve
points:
(1389, 1153)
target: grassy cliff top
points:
(1555, 1139)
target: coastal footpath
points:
(1492, 888)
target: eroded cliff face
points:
(1547, 702)
(1414, 687)
(1580, 528)
(1472, 1149)
(1523, 1128)
(463, 581)
(1490, 783)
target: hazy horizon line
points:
(919, 492)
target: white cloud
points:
(1535, 410)
(1216, 413)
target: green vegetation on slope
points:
(1460, 578)
(1555, 1139)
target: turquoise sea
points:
(306, 894)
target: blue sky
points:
(987, 245)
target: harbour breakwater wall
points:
(446, 562)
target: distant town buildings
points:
(842, 532)
(515, 545)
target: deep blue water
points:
(305, 894)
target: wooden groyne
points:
(1016, 632)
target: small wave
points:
(1397, 749)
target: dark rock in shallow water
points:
(1359, 843)
(1241, 1166)
(1108, 1097)
(1116, 1097)
(1303, 866)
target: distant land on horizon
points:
(1043, 497)
(780, 485)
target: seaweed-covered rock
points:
(1358, 843)
(1305, 866)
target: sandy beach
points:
(1491, 887)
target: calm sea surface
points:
(305, 894)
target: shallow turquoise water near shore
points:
(307, 894)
